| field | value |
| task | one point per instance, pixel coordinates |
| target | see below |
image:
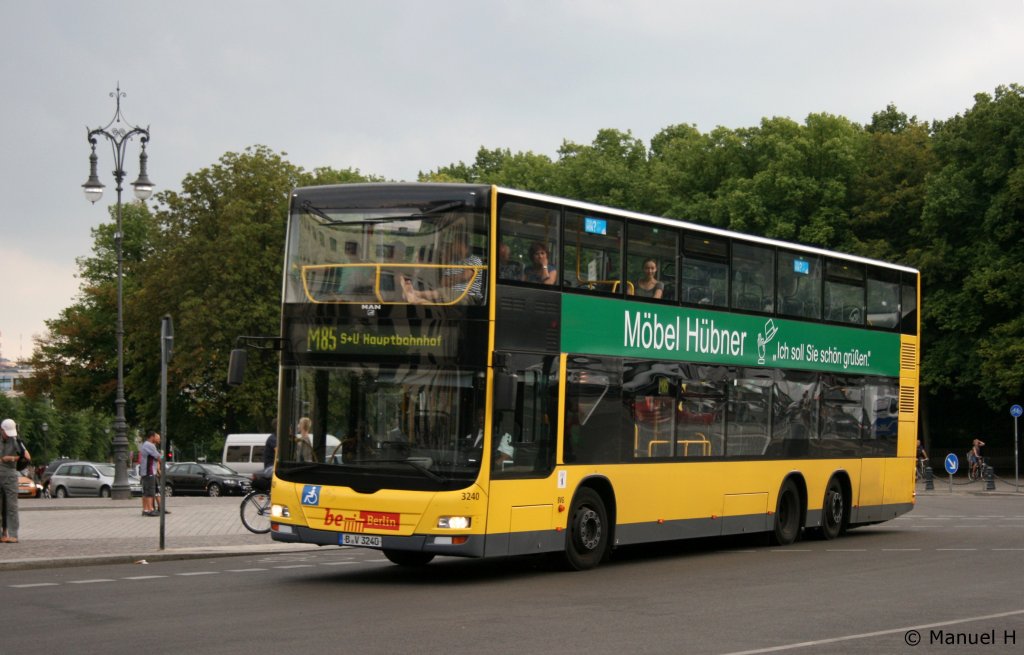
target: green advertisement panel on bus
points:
(602, 326)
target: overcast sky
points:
(394, 88)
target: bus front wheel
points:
(586, 541)
(787, 515)
(408, 557)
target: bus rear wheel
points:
(586, 541)
(833, 511)
(408, 557)
(787, 515)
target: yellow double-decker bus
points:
(475, 371)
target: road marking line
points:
(791, 550)
(880, 633)
(1008, 549)
(295, 566)
(198, 573)
(901, 550)
(244, 570)
(336, 563)
(382, 559)
(34, 584)
(956, 549)
(90, 581)
(847, 550)
(144, 577)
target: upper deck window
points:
(651, 262)
(528, 243)
(844, 292)
(799, 292)
(593, 253)
(753, 277)
(430, 253)
(705, 271)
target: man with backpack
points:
(11, 452)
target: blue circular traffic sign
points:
(952, 464)
(1016, 411)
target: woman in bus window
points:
(649, 286)
(541, 272)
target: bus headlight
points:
(280, 512)
(454, 522)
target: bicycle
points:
(976, 470)
(255, 510)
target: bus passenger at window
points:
(649, 286)
(541, 272)
(469, 273)
(508, 269)
(466, 271)
(304, 441)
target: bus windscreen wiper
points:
(455, 204)
(416, 465)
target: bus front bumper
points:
(473, 546)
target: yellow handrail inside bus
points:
(372, 291)
(705, 445)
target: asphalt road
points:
(951, 570)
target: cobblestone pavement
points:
(75, 531)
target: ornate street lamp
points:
(119, 136)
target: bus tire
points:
(833, 511)
(787, 515)
(586, 539)
(408, 557)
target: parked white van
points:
(244, 452)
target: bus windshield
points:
(430, 253)
(398, 422)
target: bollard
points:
(990, 479)
(929, 479)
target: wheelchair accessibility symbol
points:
(311, 494)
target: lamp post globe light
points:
(119, 132)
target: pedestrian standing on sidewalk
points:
(149, 467)
(10, 451)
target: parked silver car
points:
(88, 479)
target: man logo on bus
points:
(311, 494)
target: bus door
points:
(522, 496)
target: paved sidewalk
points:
(79, 531)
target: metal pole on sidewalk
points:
(166, 347)
(1015, 412)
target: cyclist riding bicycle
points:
(975, 459)
(922, 459)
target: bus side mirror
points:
(505, 391)
(236, 366)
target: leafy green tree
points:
(612, 170)
(973, 258)
(889, 192)
(75, 363)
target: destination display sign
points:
(629, 329)
(333, 339)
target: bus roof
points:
(586, 206)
